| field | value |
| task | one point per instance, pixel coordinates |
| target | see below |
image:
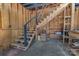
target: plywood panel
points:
(14, 16)
(4, 31)
(5, 18)
(20, 16)
(14, 20)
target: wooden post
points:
(64, 26)
(73, 12)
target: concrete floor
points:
(51, 47)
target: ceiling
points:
(34, 5)
(77, 4)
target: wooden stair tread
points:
(21, 45)
(19, 40)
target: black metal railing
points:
(40, 15)
(27, 26)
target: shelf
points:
(67, 16)
(74, 34)
(75, 51)
(75, 31)
(67, 23)
(66, 30)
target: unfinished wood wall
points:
(12, 18)
(4, 32)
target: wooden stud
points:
(73, 12)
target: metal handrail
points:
(26, 27)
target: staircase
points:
(52, 14)
(23, 44)
(27, 36)
(25, 39)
